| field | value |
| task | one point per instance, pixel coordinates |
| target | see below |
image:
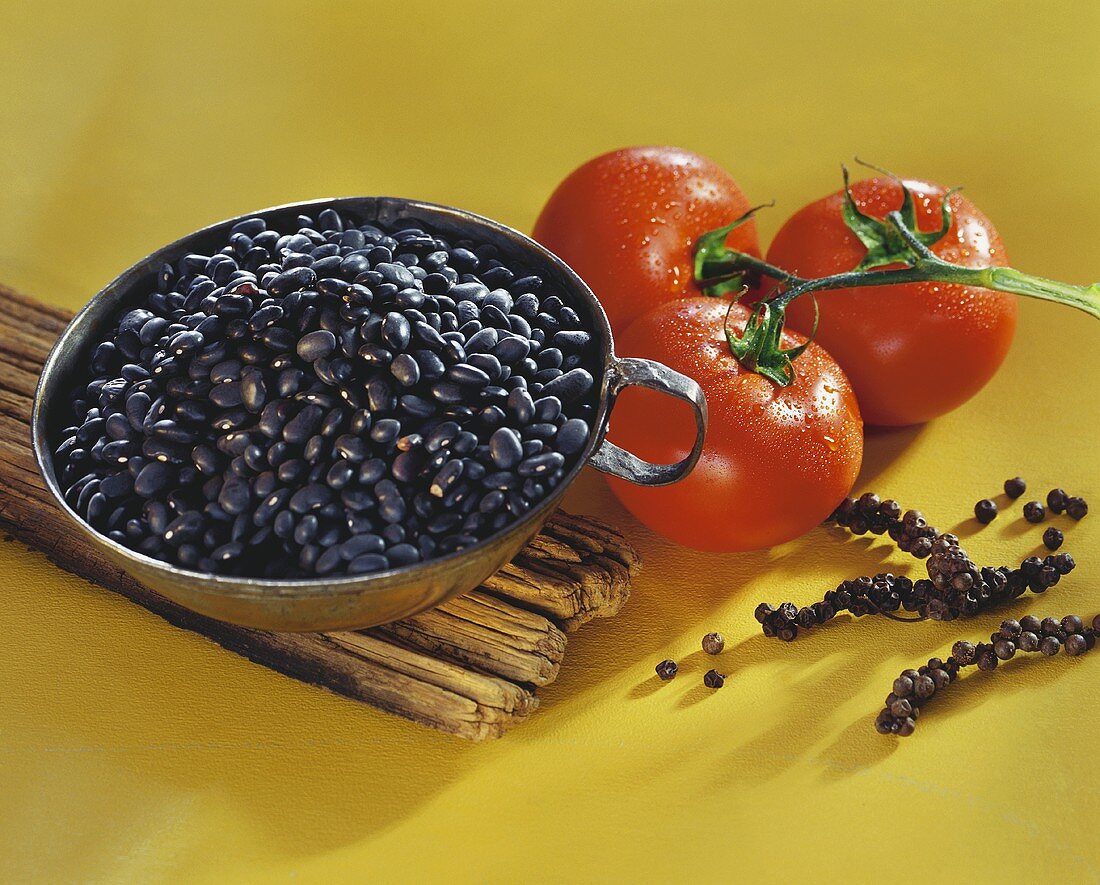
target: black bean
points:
(502, 480)
(396, 331)
(369, 562)
(278, 339)
(185, 527)
(506, 448)
(537, 465)
(234, 496)
(571, 386)
(303, 425)
(511, 349)
(492, 501)
(543, 430)
(445, 479)
(483, 342)
(117, 486)
(572, 436)
(402, 554)
(271, 507)
(521, 405)
(392, 510)
(431, 366)
(405, 369)
(361, 545)
(292, 281)
(289, 382)
(154, 478)
(547, 408)
(381, 396)
(226, 396)
(573, 340)
(310, 497)
(441, 436)
(137, 407)
(447, 392)
(524, 285)
(407, 465)
(306, 529)
(316, 345)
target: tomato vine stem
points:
(924, 269)
(721, 270)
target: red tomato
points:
(915, 351)
(777, 460)
(627, 222)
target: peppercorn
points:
(1034, 511)
(713, 679)
(667, 670)
(870, 514)
(1077, 507)
(924, 686)
(1064, 562)
(985, 511)
(964, 652)
(914, 687)
(1056, 500)
(955, 587)
(1076, 644)
(713, 643)
(1053, 538)
(1015, 487)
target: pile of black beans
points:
(337, 399)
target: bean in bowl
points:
(342, 398)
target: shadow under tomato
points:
(882, 446)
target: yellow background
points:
(133, 751)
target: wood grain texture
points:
(469, 667)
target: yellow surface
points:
(133, 751)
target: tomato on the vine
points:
(913, 351)
(777, 460)
(628, 220)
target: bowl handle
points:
(609, 458)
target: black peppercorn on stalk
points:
(913, 688)
(955, 588)
(909, 529)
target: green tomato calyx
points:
(884, 241)
(760, 347)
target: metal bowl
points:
(363, 600)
